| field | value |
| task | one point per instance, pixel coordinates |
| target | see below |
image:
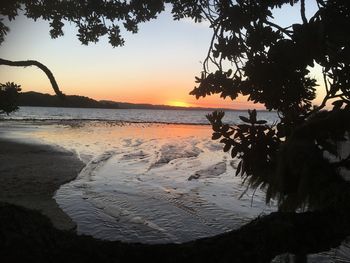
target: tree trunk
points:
(27, 63)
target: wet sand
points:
(31, 173)
(148, 183)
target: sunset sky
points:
(157, 65)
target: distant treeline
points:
(36, 99)
(46, 100)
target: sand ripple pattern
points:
(158, 191)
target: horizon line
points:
(155, 105)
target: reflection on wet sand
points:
(151, 183)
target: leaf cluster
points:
(310, 165)
(8, 97)
(95, 18)
(270, 64)
(253, 142)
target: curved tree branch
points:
(27, 63)
(302, 11)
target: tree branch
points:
(27, 63)
(302, 11)
(283, 30)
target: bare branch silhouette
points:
(28, 63)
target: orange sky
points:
(156, 65)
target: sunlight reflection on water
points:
(136, 188)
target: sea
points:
(131, 115)
(150, 176)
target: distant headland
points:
(37, 99)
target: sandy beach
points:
(140, 182)
(30, 175)
(182, 180)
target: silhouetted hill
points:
(32, 98)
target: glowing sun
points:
(179, 104)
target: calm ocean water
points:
(130, 115)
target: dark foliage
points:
(299, 159)
(8, 97)
(96, 18)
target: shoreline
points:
(31, 173)
(149, 168)
(117, 122)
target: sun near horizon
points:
(179, 104)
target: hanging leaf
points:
(225, 128)
(216, 135)
(227, 147)
(244, 119)
(260, 122)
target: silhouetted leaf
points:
(234, 152)
(244, 119)
(227, 147)
(225, 128)
(337, 104)
(261, 122)
(216, 135)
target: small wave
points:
(89, 170)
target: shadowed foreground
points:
(28, 236)
(30, 174)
